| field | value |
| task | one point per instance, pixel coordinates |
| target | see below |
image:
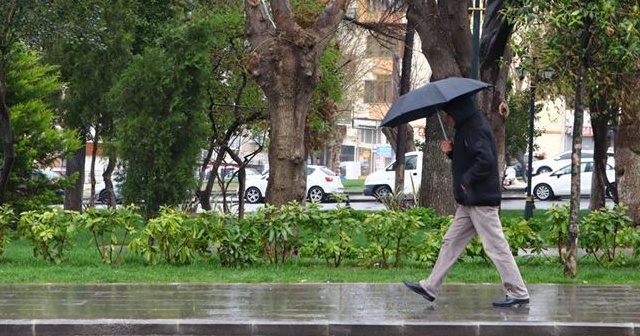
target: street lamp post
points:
(546, 74)
(530, 205)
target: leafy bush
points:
(521, 236)
(557, 220)
(605, 231)
(235, 242)
(279, 230)
(7, 220)
(50, 232)
(329, 234)
(172, 236)
(111, 229)
(389, 234)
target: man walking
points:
(476, 189)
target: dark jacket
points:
(474, 157)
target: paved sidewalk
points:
(312, 309)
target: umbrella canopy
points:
(426, 100)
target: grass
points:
(353, 186)
(82, 265)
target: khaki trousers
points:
(485, 221)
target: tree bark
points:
(446, 42)
(73, 195)
(571, 261)
(285, 61)
(495, 56)
(7, 137)
(599, 123)
(628, 149)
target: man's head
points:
(460, 109)
(449, 119)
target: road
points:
(360, 202)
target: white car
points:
(321, 184)
(558, 183)
(556, 162)
(560, 160)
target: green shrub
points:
(235, 242)
(172, 236)
(557, 220)
(50, 232)
(8, 220)
(328, 234)
(279, 230)
(111, 230)
(605, 232)
(426, 243)
(521, 236)
(389, 235)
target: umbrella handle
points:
(442, 127)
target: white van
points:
(382, 183)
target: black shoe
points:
(419, 290)
(510, 302)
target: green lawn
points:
(17, 265)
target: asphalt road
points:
(511, 202)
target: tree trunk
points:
(73, 195)
(405, 87)
(446, 42)
(285, 61)
(628, 149)
(495, 56)
(599, 124)
(287, 175)
(107, 175)
(7, 137)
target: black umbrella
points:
(426, 100)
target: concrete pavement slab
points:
(312, 309)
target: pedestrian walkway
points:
(312, 309)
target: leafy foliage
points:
(607, 232)
(111, 230)
(172, 236)
(162, 93)
(328, 234)
(38, 140)
(279, 230)
(50, 232)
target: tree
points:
(162, 94)
(92, 44)
(594, 45)
(16, 15)
(285, 62)
(38, 139)
(446, 43)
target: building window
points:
(378, 91)
(369, 135)
(377, 47)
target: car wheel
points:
(543, 192)
(543, 170)
(381, 192)
(252, 195)
(316, 194)
(612, 190)
(103, 196)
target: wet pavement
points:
(312, 309)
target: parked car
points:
(53, 178)
(249, 173)
(560, 160)
(321, 184)
(558, 183)
(382, 183)
(102, 194)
